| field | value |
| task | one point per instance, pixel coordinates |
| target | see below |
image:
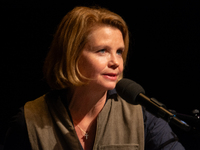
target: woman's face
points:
(101, 59)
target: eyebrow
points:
(105, 46)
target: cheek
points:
(121, 66)
(90, 67)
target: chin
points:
(110, 87)
(106, 85)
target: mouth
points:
(111, 76)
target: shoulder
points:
(158, 133)
(39, 106)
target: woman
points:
(82, 111)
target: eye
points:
(102, 51)
(120, 51)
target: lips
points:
(111, 76)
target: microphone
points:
(133, 93)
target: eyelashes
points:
(119, 51)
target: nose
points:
(113, 62)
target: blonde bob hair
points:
(61, 64)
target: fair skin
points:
(101, 61)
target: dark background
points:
(163, 58)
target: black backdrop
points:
(163, 58)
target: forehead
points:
(106, 34)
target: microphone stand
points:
(190, 139)
(158, 109)
(193, 121)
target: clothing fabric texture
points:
(158, 134)
(119, 125)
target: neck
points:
(86, 104)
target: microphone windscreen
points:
(129, 90)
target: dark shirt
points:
(158, 134)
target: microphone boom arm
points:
(156, 108)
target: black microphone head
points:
(129, 90)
